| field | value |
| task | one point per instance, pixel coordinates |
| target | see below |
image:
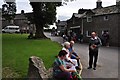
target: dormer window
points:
(105, 17)
(89, 19)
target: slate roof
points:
(62, 23)
(105, 10)
(97, 11)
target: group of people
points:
(72, 36)
(68, 61)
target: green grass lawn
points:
(16, 50)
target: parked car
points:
(11, 29)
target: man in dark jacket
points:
(94, 44)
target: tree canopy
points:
(9, 10)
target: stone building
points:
(61, 26)
(99, 19)
(21, 20)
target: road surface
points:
(107, 66)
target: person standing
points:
(31, 31)
(107, 39)
(65, 38)
(94, 44)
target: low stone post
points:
(36, 70)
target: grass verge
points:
(16, 50)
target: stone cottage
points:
(21, 19)
(61, 27)
(99, 19)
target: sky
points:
(64, 12)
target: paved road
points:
(107, 66)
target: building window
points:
(89, 19)
(105, 17)
(88, 34)
(102, 31)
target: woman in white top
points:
(69, 61)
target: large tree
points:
(9, 10)
(44, 14)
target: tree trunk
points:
(38, 18)
(39, 32)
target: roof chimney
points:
(22, 11)
(117, 2)
(99, 4)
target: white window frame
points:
(89, 19)
(102, 31)
(88, 34)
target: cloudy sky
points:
(66, 11)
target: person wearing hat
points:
(94, 44)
